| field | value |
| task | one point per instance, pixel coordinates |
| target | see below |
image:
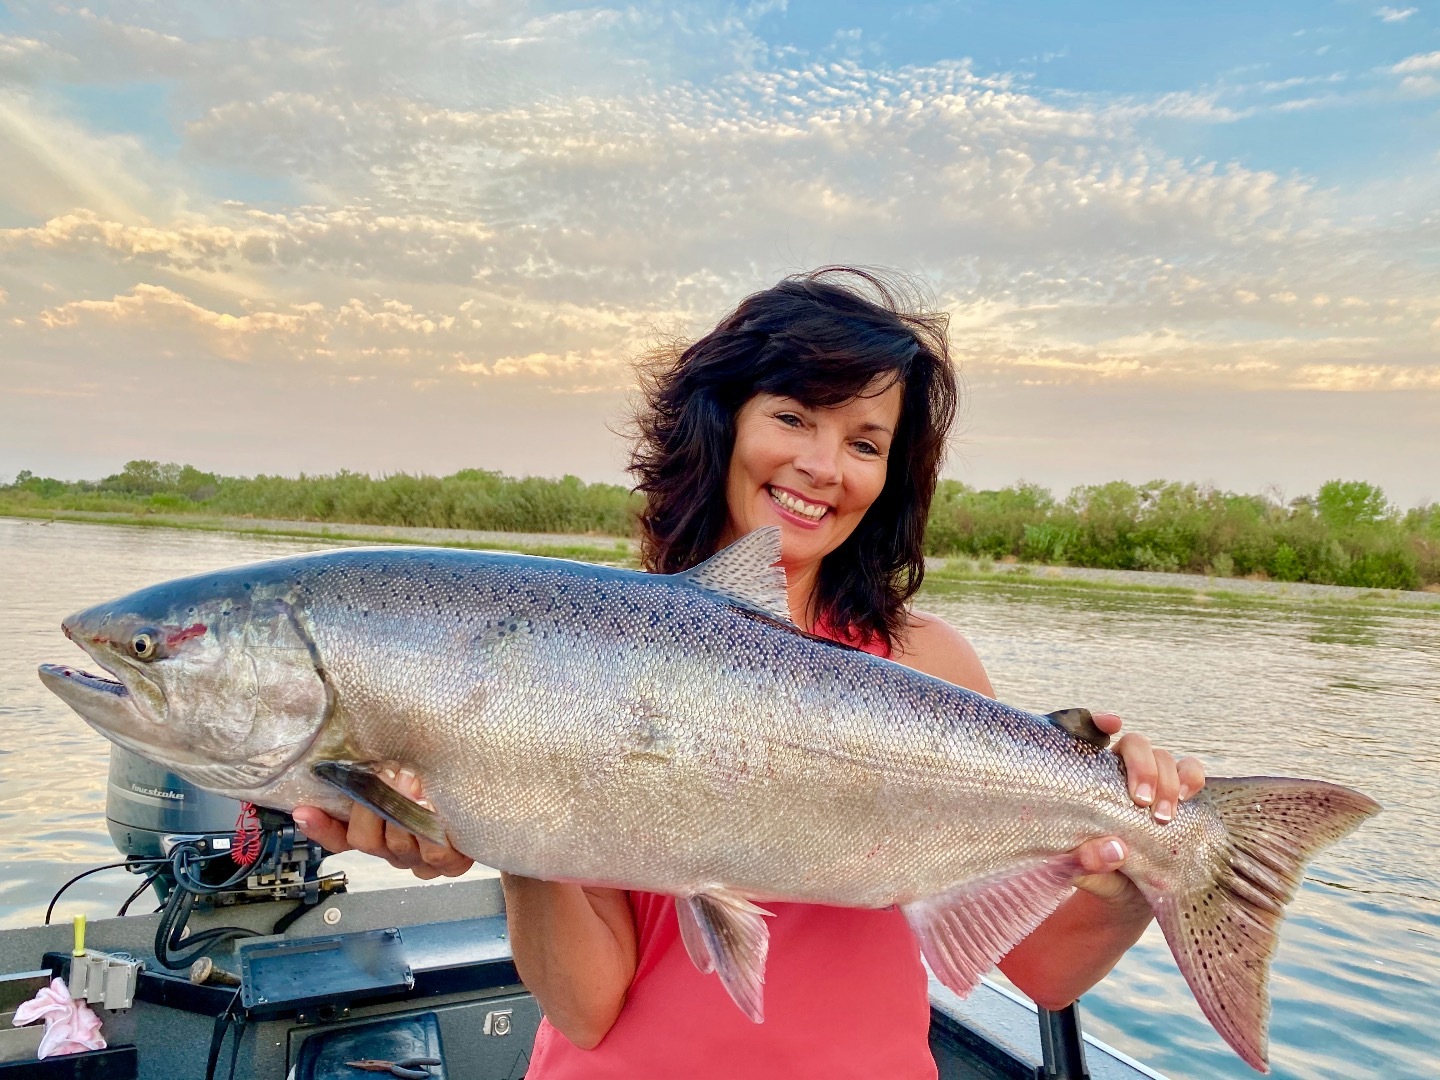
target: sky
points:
(1185, 241)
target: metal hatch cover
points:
(291, 976)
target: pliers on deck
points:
(411, 1068)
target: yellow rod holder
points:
(79, 949)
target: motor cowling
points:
(146, 802)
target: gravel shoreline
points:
(339, 530)
(1282, 590)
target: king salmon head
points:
(214, 677)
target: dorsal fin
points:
(1081, 724)
(748, 573)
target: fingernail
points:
(1164, 812)
(1113, 851)
(406, 780)
(1185, 792)
(303, 818)
(387, 774)
(1144, 793)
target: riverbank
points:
(1201, 586)
(590, 547)
(619, 551)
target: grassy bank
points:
(469, 499)
(1347, 533)
(945, 575)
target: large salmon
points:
(678, 734)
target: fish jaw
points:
(105, 704)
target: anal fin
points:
(726, 934)
(360, 783)
(965, 931)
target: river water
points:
(1351, 696)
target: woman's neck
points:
(802, 585)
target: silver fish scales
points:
(679, 735)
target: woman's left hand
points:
(1156, 780)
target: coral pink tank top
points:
(845, 996)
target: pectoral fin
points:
(360, 783)
(964, 932)
(726, 934)
(1081, 724)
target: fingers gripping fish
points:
(678, 734)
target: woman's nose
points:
(819, 462)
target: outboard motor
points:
(200, 848)
(147, 803)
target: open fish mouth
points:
(87, 679)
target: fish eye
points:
(143, 645)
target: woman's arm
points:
(1085, 937)
(574, 947)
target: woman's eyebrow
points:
(877, 427)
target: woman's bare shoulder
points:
(932, 645)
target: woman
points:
(821, 406)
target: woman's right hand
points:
(367, 831)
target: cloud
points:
(1395, 15)
(1347, 377)
(171, 317)
(353, 240)
(356, 338)
(1416, 63)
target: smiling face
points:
(812, 471)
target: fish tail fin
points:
(1223, 931)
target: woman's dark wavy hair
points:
(821, 338)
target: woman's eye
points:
(869, 449)
(788, 419)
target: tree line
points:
(1347, 533)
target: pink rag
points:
(70, 1025)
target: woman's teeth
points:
(811, 511)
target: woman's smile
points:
(807, 512)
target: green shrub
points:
(1285, 564)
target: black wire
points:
(49, 911)
(150, 880)
(235, 1042)
(128, 864)
(173, 952)
(170, 950)
(284, 922)
(217, 1035)
(184, 855)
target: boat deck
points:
(444, 985)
